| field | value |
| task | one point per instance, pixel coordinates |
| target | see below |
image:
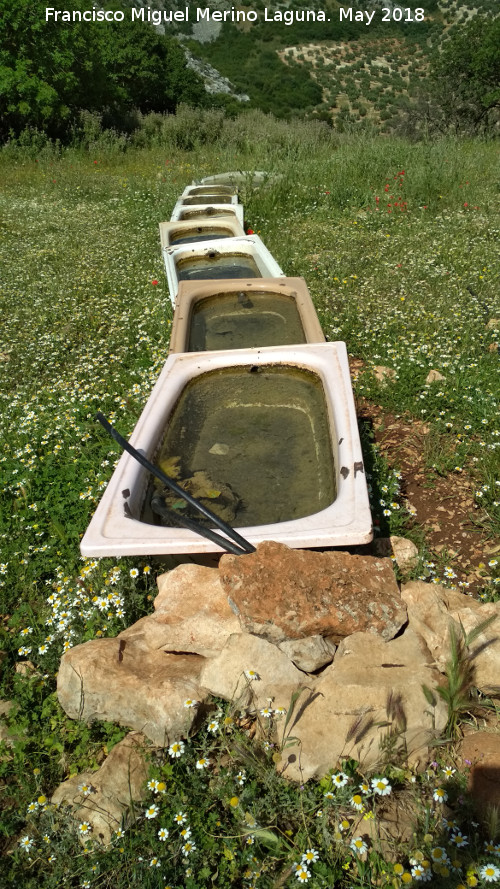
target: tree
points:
(51, 70)
(466, 75)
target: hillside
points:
(343, 64)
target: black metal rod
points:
(172, 517)
(245, 546)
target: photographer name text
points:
(205, 14)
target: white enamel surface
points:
(115, 529)
(180, 211)
(248, 245)
(208, 196)
(169, 230)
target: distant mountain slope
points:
(335, 65)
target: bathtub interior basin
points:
(237, 177)
(214, 189)
(255, 443)
(201, 230)
(207, 211)
(264, 312)
(191, 200)
(231, 258)
(268, 437)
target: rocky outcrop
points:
(263, 627)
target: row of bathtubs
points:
(253, 413)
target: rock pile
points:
(334, 627)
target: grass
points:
(402, 267)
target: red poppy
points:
(154, 282)
(250, 231)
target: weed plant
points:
(397, 243)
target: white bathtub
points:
(116, 528)
(224, 226)
(249, 247)
(294, 309)
(206, 211)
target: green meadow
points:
(398, 243)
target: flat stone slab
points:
(281, 593)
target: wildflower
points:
(280, 711)
(213, 727)
(310, 856)
(155, 862)
(421, 872)
(490, 873)
(381, 786)
(180, 818)
(161, 787)
(154, 282)
(364, 787)
(358, 845)
(152, 785)
(491, 847)
(241, 778)
(302, 874)
(234, 801)
(119, 833)
(252, 675)
(32, 808)
(176, 749)
(189, 704)
(152, 811)
(448, 771)
(329, 795)
(343, 825)
(84, 828)
(163, 834)
(188, 848)
(185, 833)
(26, 843)
(438, 854)
(459, 840)
(134, 573)
(440, 795)
(357, 802)
(202, 763)
(85, 789)
(340, 779)
(266, 712)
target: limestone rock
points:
(405, 552)
(346, 710)
(118, 681)
(431, 610)
(119, 782)
(280, 593)
(191, 614)
(309, 654)
(434, 377)
(482, 750)
(225, 676)
(384, 374)
(485, 649)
